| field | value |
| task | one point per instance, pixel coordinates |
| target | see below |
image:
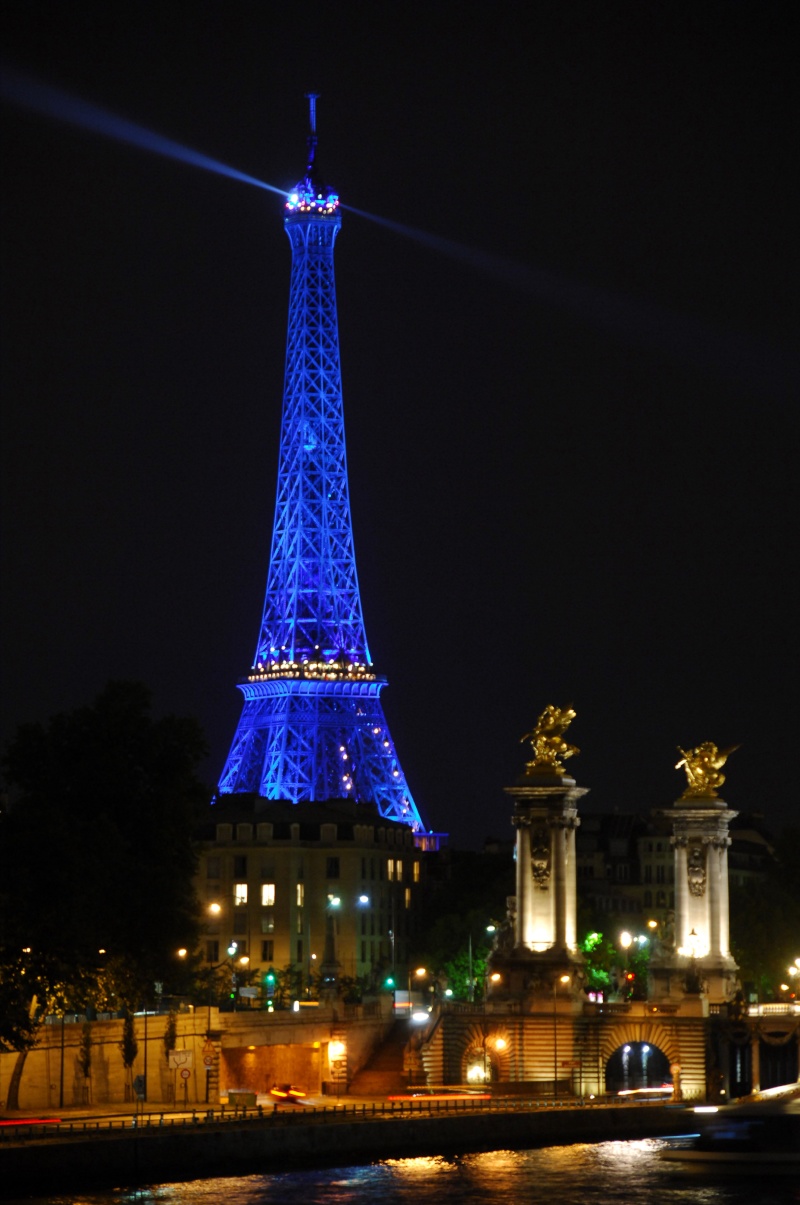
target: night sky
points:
(570, 406)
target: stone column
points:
(524, 921)
(545, 818)
(700, 839)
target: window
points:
(300, 895)
(268, 922)
(332, 870)
(240, 866)
(648, 874)
(416, 872)
(660, 874)
(241, 947)
(299, 920)
(267, 895)
(408, 897)
(212, 951)
(399, 870)
(648, 899)
(390, 869)
(299, 949)
(239, 923)
(239, 894)
(267, 951)
(213, 867)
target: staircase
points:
(383, 1072)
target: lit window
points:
(300, 894)
(268, 922)
(299, 922)
(239, 894)
(267, 895)
(390, 869)
(399, 870)
(416, 872)
(408, 897)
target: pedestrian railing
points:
(318, 1114)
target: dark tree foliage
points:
(128, 1045)
(765, 921)
(95, 847)
(460, 906)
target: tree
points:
(765, 921)
(170, 1033)
(85, 1056)
(458, 912)
(96, 857)
(129, 1047)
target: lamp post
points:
(420, 973)
(561, 979)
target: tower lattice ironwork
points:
(312, 725)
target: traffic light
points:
(388, 983)
(269, 980)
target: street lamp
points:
(564, 979)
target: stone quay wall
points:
(283, 1141)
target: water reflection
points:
(625, 1171)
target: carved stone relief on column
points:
(540, 858)
(696, 870)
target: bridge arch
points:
(486, 1054)
(652, 1033)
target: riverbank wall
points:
(135, 1157)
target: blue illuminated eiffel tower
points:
(312, 726)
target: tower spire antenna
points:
(312, 98)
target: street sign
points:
(208, 1060)
(185, 1073)
(180, 1058)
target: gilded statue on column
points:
(702, 766)
(547, 740)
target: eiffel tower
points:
(312, 726)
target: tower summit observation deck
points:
(312, 727)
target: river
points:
(569, 1175)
